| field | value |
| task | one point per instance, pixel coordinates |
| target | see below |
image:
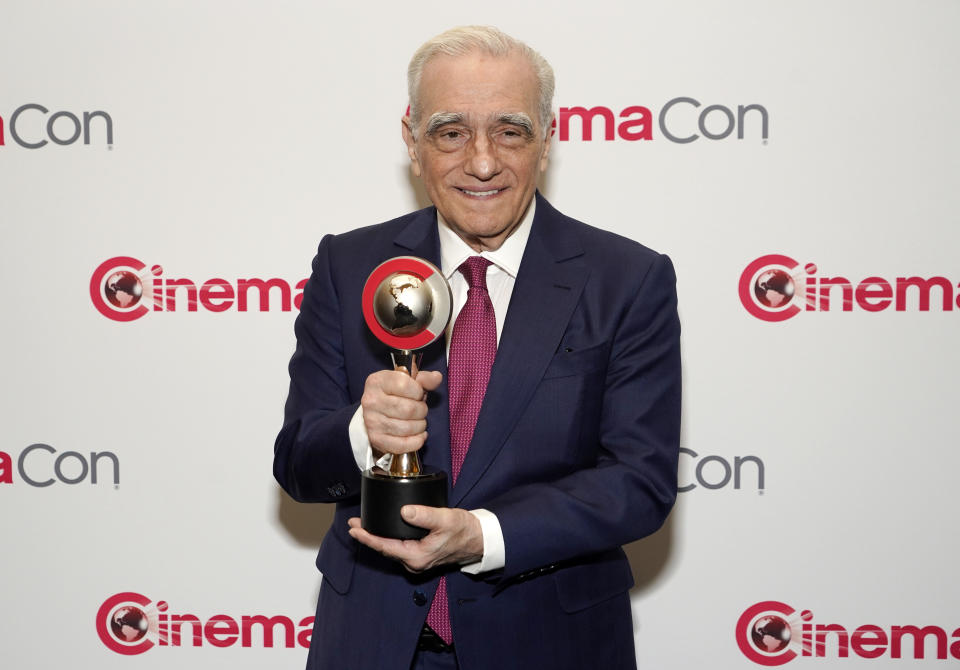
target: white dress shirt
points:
(501, 276)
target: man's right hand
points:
(395, 410)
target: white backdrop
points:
(244, 131)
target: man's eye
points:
(450, 139)
(512, 136)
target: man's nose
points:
(482, 159)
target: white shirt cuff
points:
(494, 553)
(360, 442)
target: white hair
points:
(487, 39)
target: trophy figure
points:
(407, 304)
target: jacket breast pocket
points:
(570, 362)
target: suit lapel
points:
(547, 289)
(420, 238)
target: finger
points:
(401, 407)
(362, 536)
(378, 423)
(407, 552)
(394, 382)
(375, 401)
(391, 444)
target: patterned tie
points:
(473, 346)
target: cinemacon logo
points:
(122, 288)
(773, 633)
(33, 126)
(679, 121)
(776, 288)
(130, 623)
(40, 466)
(716, 472)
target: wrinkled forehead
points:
(478, 85)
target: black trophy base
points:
(382, 496)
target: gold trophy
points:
(407, 305)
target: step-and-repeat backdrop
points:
(167, 169)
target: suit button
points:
(419, 598)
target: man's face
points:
(479, 145)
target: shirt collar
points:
(454, 251)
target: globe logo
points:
(123, 289)
(770, 634)
(404, 304)
(774, 289)
(129, 623)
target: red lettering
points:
(303, 637)
(6, 468)
(1, 132)
(923, 286)
(919, 634)
(157, 294)
(172, 285)
(216, 295)
(811, 297)
(645, 123)
(807, 639)
(177, 620)
(221, 630)
(821, 639)
(267, 624)
(298, 299)
(586, 122)
(955, 647)
(244, 285)
(826, 283)
(869, 636)
(874, 288)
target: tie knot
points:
(474, 270)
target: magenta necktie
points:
(473, 346)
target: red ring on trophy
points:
(425, 328)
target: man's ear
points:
(411, 145)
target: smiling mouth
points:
(481, 194)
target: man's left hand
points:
(455, 537)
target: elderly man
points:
(553, 402)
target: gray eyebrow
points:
(517, 119)
(440, 119)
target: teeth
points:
(480, 193)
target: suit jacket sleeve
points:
(630, 487)
(313, 460)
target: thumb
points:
(429, 379)
(419, 515)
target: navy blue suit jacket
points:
(575, 449)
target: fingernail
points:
(407, 512)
